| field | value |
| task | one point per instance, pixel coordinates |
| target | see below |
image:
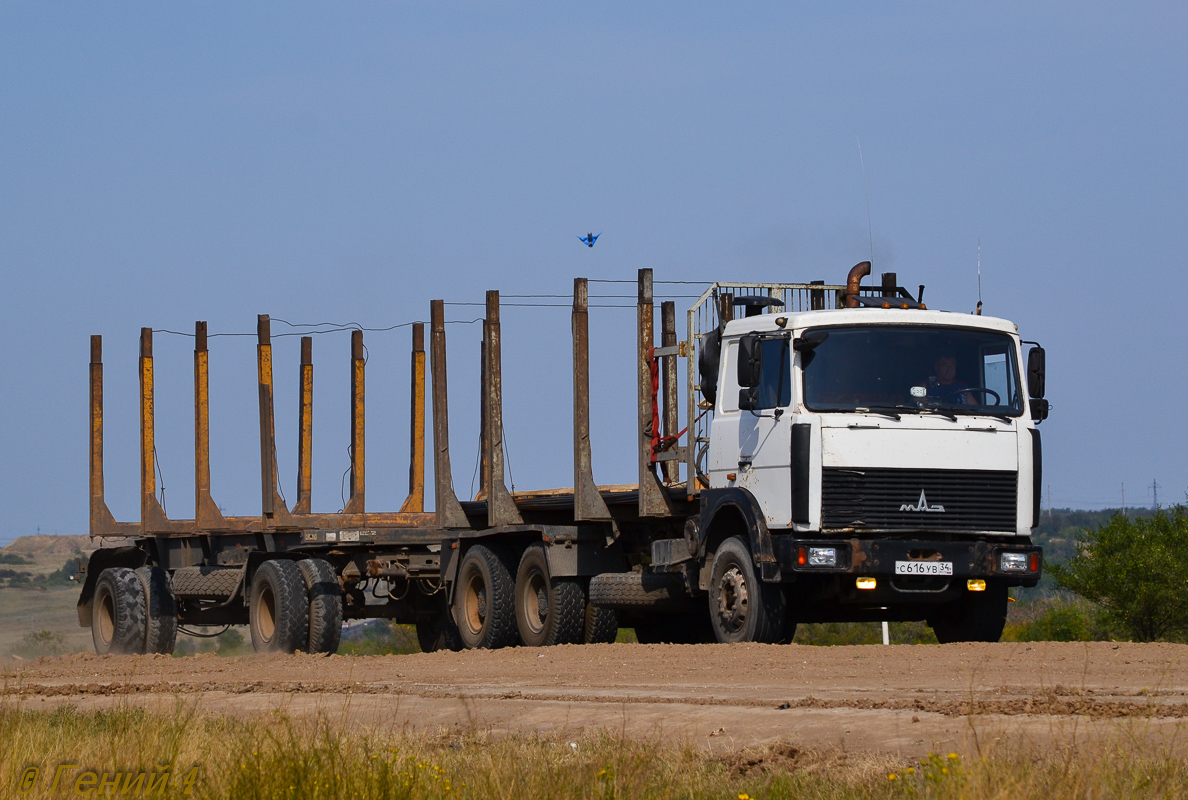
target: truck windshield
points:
(912, 369)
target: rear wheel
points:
(160, 610)
(325, 605)
(279, 611)
(484, 603)
(118, 612)
(439, 632)
(548, 610)
(601, 625)
(742, 607)
(978, 617)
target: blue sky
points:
(166, 163)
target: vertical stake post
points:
(148, 476)
(415, 502)
(588, 505)
(448, 509)
(206, 513)
(355, 502)
(653, 500)
(501, 509)
(98, 504)
(271, 506)
(304, 499)
(668, 338)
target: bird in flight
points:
(589, 239)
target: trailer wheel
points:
(279, 611)
(160, 632)
(485, 603)
(743, 608)
(439, 632)
(548, 610)
(117, 615)
(602, 625)
(978, 617)
(325, 605)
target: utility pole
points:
(1124, 499)
(1155, 490)
(1049, 502)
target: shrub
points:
(40, 643)
(1136, 572)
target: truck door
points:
(764, 436)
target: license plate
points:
(923, 567)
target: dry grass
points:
(277, 757)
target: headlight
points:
(1013, 562)
(822, 556)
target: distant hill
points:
(48, 544)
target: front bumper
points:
(876, 558)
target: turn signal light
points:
(866, 583)
(802, 558)
(1035, 562)
(975, 585)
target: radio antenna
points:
(979, 271)
(869, 229)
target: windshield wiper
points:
(893, 411)
(938, 410)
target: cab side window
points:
(775, 379)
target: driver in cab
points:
(943, 385)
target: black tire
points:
(628, 591)
(279, 610)
(743, 608)
(977, 617)
(117, 612)
(325, 605)
(484, 600)
(160, 632)
(601, 625)
(440, 631)
(549, 610)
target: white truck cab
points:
(884, 458)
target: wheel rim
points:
(535, 602)
(475, 605)
(266, 613)
(733, 599)
(106, 620)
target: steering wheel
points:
(981, 389)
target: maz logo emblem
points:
(922, 505)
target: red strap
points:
(655, 366)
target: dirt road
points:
(901, 699)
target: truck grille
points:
(891, 499)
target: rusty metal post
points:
(448, 509)
(501, 509)
(817, 297)
(588, 505)
(271, 506)
(416, 457)
(304, 497)
(484, 467)
(653, 501)
(148, 476)
(355, 501)
(100, 516)
(206, 512)
(668, 338)
(725, 310)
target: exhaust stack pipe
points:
(853, 280)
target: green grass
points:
(273, 756)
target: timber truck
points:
(847, 454)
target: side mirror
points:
(1039, 409)
(750, 361)
(1035, 372)
(809, 341)
(748, 398)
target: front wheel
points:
(978, 617)
(743, 608)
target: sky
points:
(166, 163)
